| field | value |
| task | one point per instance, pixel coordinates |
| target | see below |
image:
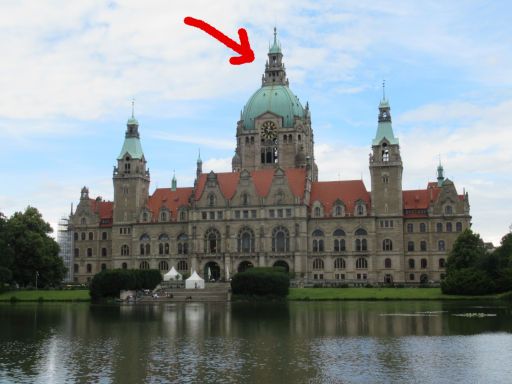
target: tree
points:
(504, 251)
(31, 249)
(467, 250)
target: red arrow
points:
(244, 48)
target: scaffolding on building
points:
(65, 240)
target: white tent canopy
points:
(194, 282)
(173, 274)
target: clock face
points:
(268, 130)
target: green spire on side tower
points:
(276, 46)
(174, 183)
(440, 174)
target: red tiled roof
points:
(104, 209)
(348, 191)
(172, 200)
(262, 180)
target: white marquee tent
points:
(173, 274)
(194, 282)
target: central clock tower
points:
(274, 129)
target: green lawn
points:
(51, 295)
(376, 294)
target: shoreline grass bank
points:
(74, 295)
(334, 294)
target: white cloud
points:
(217, 165)
(204, 142)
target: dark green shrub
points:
(110, 282)
(261, 282)
(5, 276)
(504, 280)
(13, 299)
(468, 281)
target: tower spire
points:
(384, 127)
(275, 73)
(440, 173)
(133, 108)
(383, 89)
(174, 183)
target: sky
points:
(69, 72)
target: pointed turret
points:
(274, 68)
(131, 145)
(199, 166)
(440, 175)
(174, 182)
(384, 127)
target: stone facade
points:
(271, 209)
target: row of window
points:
(90, 236)
(89, 252)
(163, 265)
(338, 209)
(439, 227)
(362, 263)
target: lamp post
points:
(37, 275)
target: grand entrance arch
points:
(244, 266)
(211, 271)
(282, 264)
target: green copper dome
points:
(277, 99)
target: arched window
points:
(423, 263)
(182, 244)
(361, 242)
(124, 266)
(91, 236)
(423, 246)
(163, 265)
(362, 263)
(441, 245)
(211, 200)
(182, 265)
(317, 212)
(339, 240)
(410, 246)
(318, 240)
(246, 240)
(458, 226)
(442, 263)
(163, 216)
(280, 239)
(144, 265)
(145, 248)
(448, 209)
(125, 250)
(145, 216)
(387, 263)
(183, 215)
(163, 246)
(449, 227)
(83, 221)
(318, 264)
(339, 263)
(212, 241)
(387, 245)
(423, 227)
(411, 264)
(439, 227)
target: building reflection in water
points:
(263, 342)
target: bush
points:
(110, 282)
(468, 281)
(261, 282)
(5, 276)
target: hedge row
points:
(110, 282)
(261, 282)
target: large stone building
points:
(271, 209)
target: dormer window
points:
(360, 209)
(448, 210)
(127, 167)
(163, 216)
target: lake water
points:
(299, 342)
